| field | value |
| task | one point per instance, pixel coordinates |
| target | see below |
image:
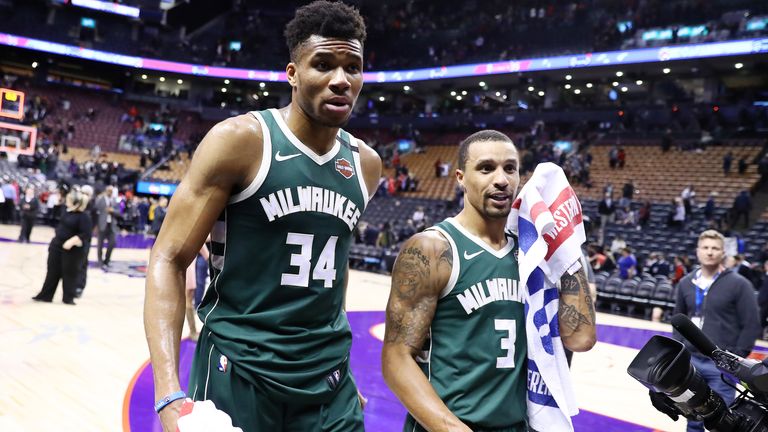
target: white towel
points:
(547, 218)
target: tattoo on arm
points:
(411, 303)
(570, 314)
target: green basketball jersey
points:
(279, 257)
(475, 357)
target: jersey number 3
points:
(324, 269)
(507, 343)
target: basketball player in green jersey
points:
(280, 191)
(455, 346)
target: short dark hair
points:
(324, 18)
(483, 135)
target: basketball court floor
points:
(85, 367)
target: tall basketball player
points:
(455, 356)
(280, 191)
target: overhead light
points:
(589, 85)
(226, 82)
(262, 85)
(453, 93)
(498, 94)
(482, 83)
(505, 96)
(406, 88)
(737, 65)
(162, 79)
(143, 77)
(624, 89)
(223, 89)
(619, 73)
(568, 77)
(541, 92)
(530, 88)
(567, 86)
(255, 96)
(34, 65)
(666, 70)
(639, 82)
(577, 91)
(458, 97)
(266, 93)
(223, 104)
(382, 99)
(179, 81)
(464, 92)
(615, 83)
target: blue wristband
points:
(162, 403)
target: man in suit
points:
(106, 212)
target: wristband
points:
(165, 401)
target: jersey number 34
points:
(324, 269)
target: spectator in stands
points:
(65, 249)
(628, 190)
(743, 165)
(613, 157)
(596, 257)
(406, 231)
(7, 215)
(688, 195)
(419, 218)
(680, 269)
(729, 316)
(606, 209)
(386, 238)
(644, 213)
(727, 163)
(744, 268)
(621, 157)
(107, 213)
(677, 214)
(742, 205)
(660, 266)
(627, 264)
(709, 207)
(29, 207)
(160, 211)
(617, 245)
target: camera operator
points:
(722, 303)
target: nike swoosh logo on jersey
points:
(470, 256)
(281, 158)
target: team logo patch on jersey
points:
(223, 363)
(345, 168)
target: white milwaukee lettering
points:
(489, 291)
(310, 199)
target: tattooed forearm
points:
(571, 317)
(576, 312)
(412, 301)
(572, 284)
(411, 268)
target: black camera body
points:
(664, 366)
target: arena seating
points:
(659, 176)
